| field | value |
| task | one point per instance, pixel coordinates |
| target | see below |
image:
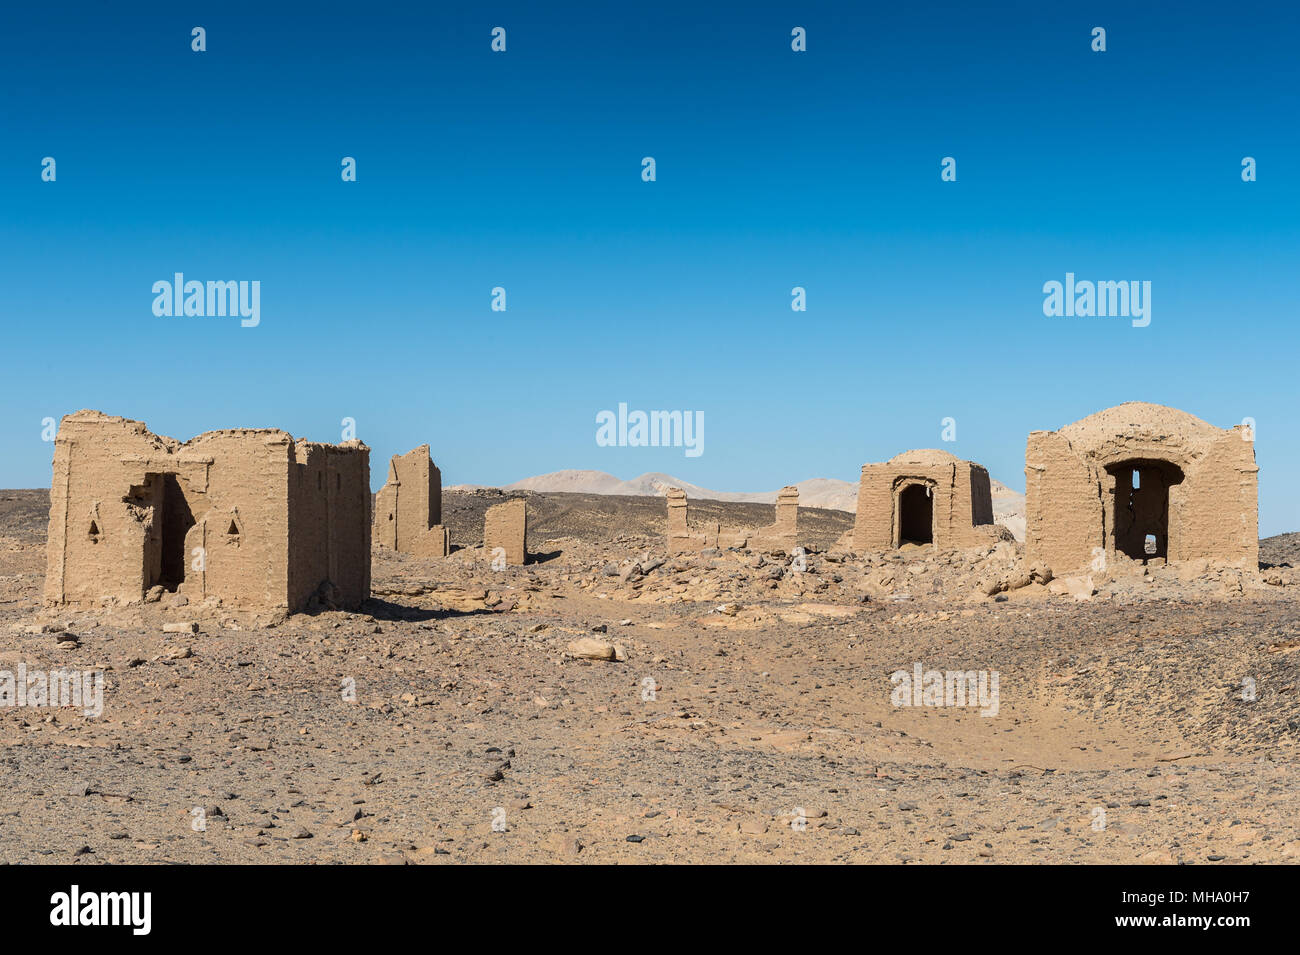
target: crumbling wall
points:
(783, 535)
(408, 508)
(435, 542)
(682, 538)
(1196, 495)
(505, 526)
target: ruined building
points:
(250, 516)
(923, 497)
(1141, 480)
(781, 537)
(408, 508)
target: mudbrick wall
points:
(506, 526)
(408, 508)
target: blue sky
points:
(775, 169)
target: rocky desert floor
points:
(745, 715)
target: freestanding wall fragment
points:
(250, 516)
(680, 537)
(1142, 480)
(923, 497)
(408, 508)
(783, 536)
(505, 526)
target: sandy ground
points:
(750, 721)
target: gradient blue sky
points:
(775, 169)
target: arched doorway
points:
(915, 515)
(1139, 525)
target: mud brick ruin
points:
(680, 536)
(783, 536)
(923, 497)
(1145, 481)
(249, 516)
(505, 526)
(408, 508)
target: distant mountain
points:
(575, 482)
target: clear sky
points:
(774, 169)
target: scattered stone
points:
(589, 648)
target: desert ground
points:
(454, 719)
